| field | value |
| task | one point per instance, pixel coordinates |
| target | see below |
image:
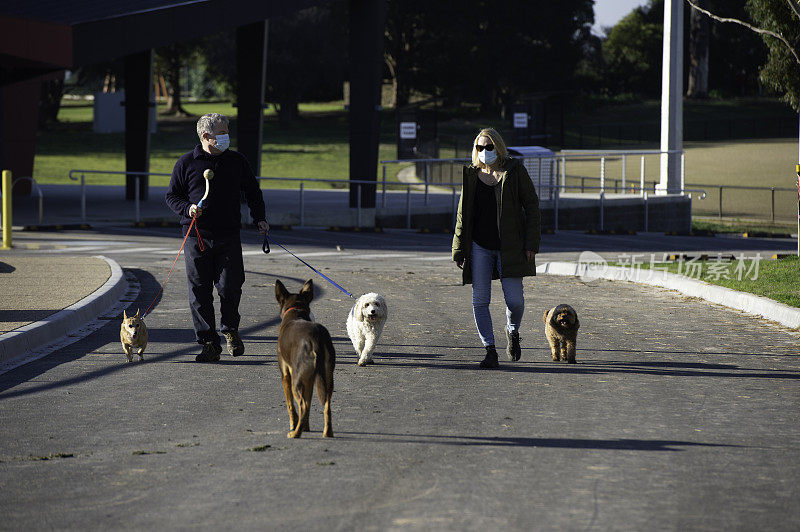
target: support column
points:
(672, 98)
(19, 121)
(138, 92)
(251, 70)
(367, 21)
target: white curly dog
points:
(365, 324)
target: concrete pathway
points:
(679, 415)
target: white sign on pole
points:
(408, 130)
(520, 120)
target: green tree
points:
(782, 69)
(632, 52)
(486, 52)
(735, 56)
(699, 34)
(305, 58)
(168, 62)
(778, 23)
(404, 25)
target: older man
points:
(215, 257)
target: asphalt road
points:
(679, 414)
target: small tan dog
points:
(561, 328)
(133, 335)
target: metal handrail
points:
(361, 182)
(555, 155)
(82, 179)
(38, 191)
(80, 175)
(561, 158)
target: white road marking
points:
(322, 254)
(383, 256)
(446, 257)
(75, 249)
(134, 250)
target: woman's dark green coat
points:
(520, 223)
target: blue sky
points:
(608, 12)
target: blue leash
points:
(265, 249)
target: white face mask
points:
(487, 157)
(223, 141)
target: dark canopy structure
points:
(44, 37)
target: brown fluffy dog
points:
(561, 328)
(133, 335)
(306, 358)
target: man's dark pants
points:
(219, 265)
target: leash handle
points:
(265, 249)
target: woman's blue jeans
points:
(483, 262)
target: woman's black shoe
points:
(491, 358)
(513, 349)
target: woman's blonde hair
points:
(499, 146)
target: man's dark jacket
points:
(232, 175)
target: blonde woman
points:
(496, 236)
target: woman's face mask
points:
(487, 154)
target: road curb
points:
(19, 342)
(749, 303)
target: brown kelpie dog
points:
(305, 357)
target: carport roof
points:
(46, 35)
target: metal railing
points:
(749, 199)
(557, 189)
(362, 183)
(550, 168)
(137, 175)
(80, 175)
(645, 198)
(38, 192)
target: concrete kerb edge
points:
(749, 303)
(20, 341)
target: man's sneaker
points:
(491, 358)
(513, 350)
(210, 353)
(235, 345)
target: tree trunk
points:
(174, 105)
(50, 103)
(287, 112)
(698, 54)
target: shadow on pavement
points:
(584, 367)
(623, 444)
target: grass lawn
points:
(776, 279)
(736, 225)
(316, 146)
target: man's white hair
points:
(207, 123)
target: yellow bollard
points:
(6, 209)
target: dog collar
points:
(292, 308)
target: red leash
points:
(202, 248)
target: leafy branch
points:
(751, 27)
